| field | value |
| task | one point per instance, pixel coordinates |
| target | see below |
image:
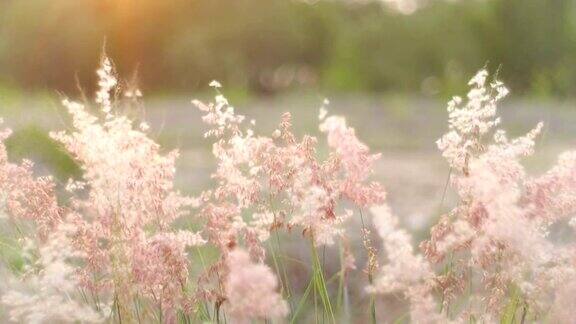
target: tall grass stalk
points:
(320, 283)
(370, 274)
(342, 298)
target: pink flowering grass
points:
(111, 247)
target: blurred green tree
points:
(270, 45)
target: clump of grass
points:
(111, 250)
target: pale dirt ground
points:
(403, 130)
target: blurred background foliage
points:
(270, 46)
(33, 142)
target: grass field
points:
(403, 129)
